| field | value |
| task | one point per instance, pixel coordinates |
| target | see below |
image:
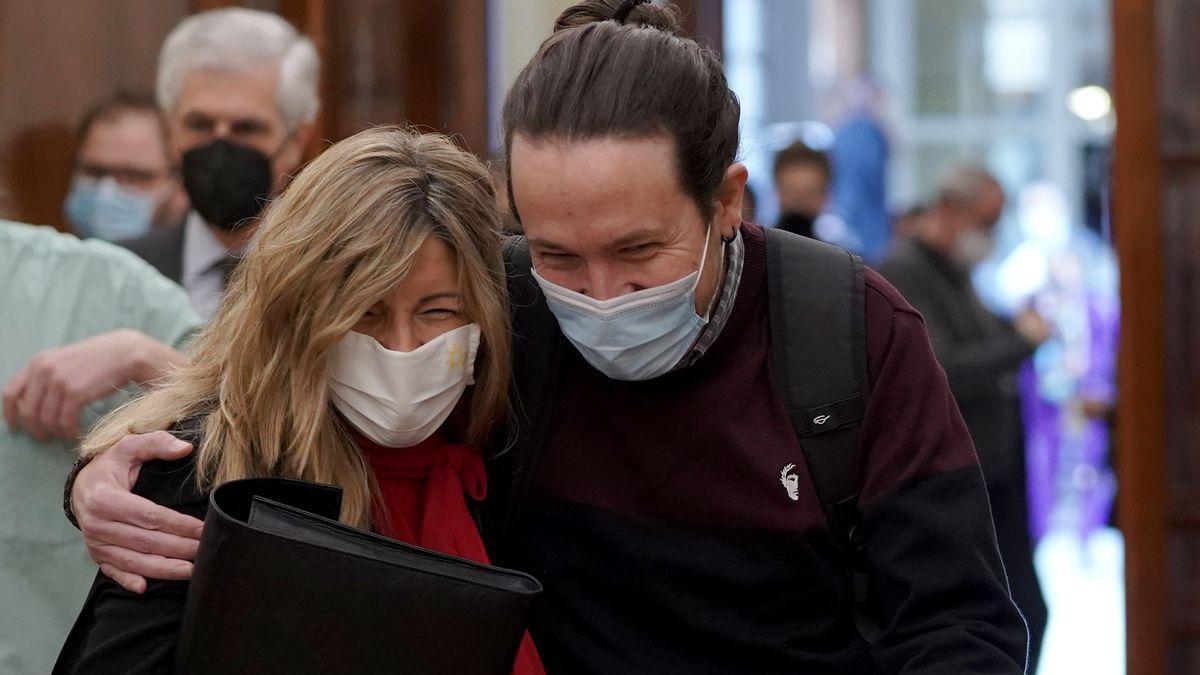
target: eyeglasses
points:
(126, 176)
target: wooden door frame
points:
(1137, 210)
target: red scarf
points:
(424, 490)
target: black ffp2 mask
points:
(227, 183)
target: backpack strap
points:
(816, 306)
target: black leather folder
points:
(280, 586)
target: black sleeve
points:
(970, 368)
(942, 594)
(977, 367)
(122, 632)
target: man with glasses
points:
(124, 182)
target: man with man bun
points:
(660, 481)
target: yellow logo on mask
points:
(456, 356)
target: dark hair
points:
(596, 77)
(800, 154)
(120, 104)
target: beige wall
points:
(518, 28)
(526, 24)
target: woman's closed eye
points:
(440, 313)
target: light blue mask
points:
(105, 210)
(636, 336)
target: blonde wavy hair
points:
(342, 236)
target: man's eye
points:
(640, 249)
(199, 124)
(248, 128)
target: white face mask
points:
(398, 399)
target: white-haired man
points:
(239, 90)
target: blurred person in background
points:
(859, 158)
(802, 178)
(981, 354)
(124, 180)
(239, 91)
(908, 223)
(82, 321)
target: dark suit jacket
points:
(163, 248)
(979, 351)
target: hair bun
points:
(664, 18)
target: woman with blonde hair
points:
(363, 342)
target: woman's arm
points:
(123, 632)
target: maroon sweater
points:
(661, 524)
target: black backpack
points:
(819, 358)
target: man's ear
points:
(292, 154)
(175, 206)
(304, 134)
(729, 200)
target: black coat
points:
(979, 351)
(162, 248)
(981, 354)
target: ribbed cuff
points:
(67, 508)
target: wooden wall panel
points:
(1179, 111)
(1181, 382)
(703, 20)
(1179, 88)
(407, 62)
(59, 59)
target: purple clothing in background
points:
(1068, 461)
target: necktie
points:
(225, 266)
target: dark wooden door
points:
(1156, 209)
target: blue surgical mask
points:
(105, 210)
(636, 336)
